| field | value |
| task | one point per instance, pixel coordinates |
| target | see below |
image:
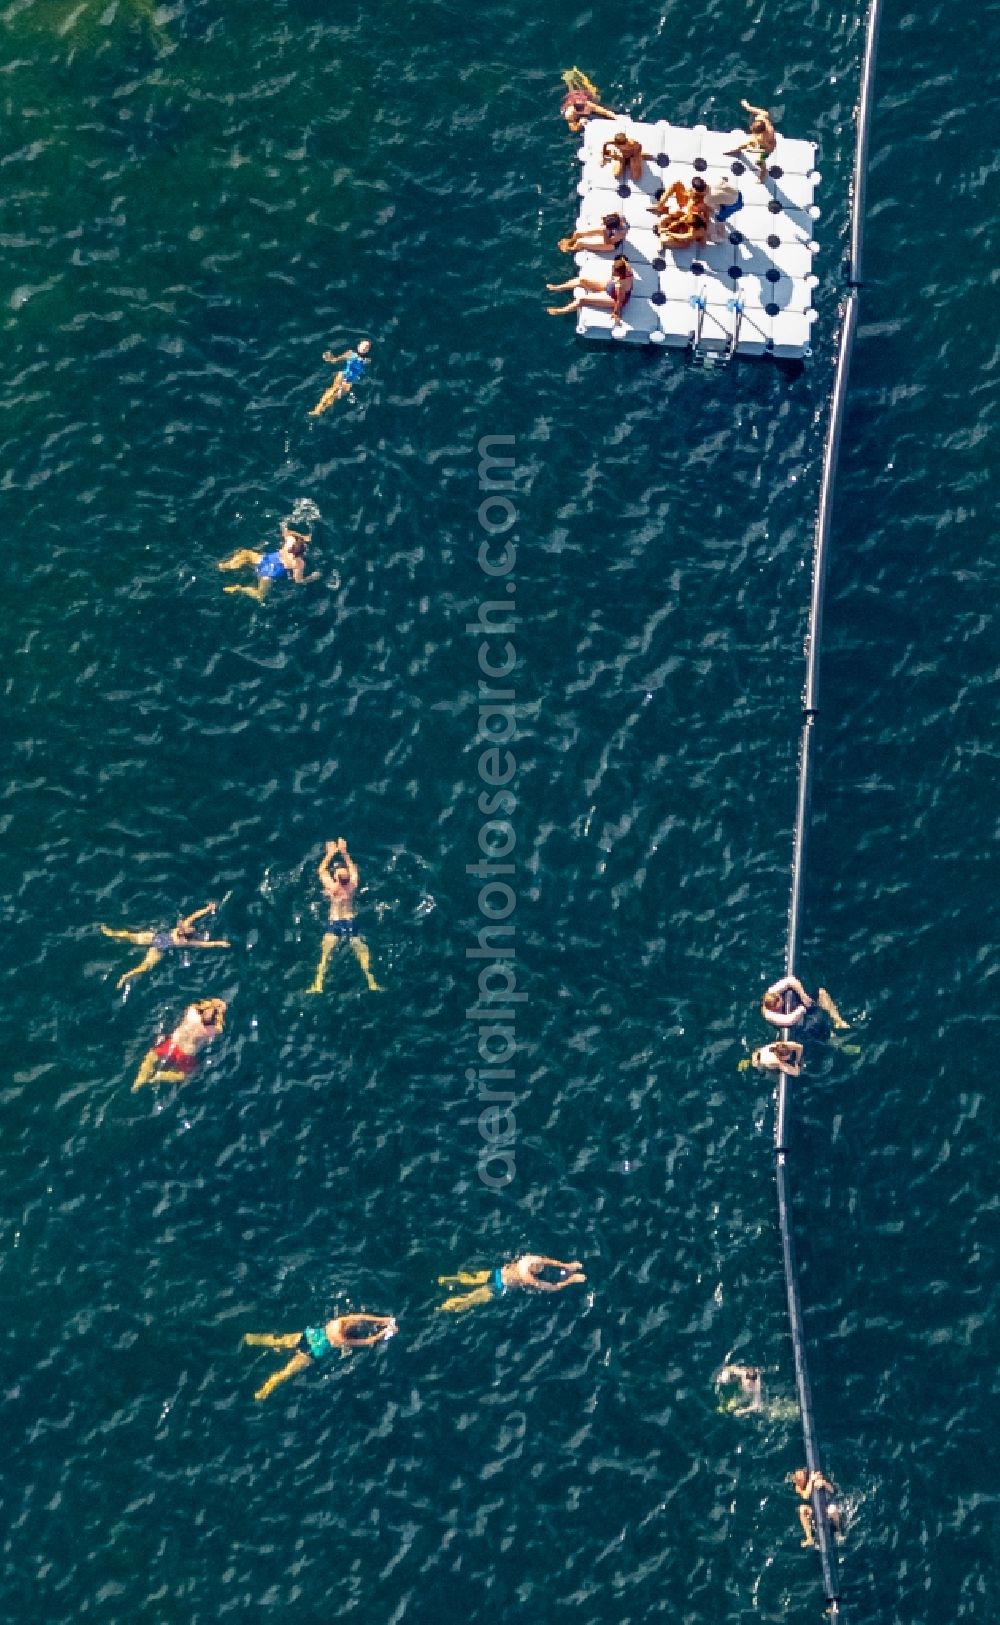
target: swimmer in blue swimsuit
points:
(525, 1271)
(357, 364)
(340, 888)
(346, 1332)
(160, 942)
(288, 561)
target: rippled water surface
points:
(198, 200)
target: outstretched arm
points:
(352, 868)
(333, 359)
(199, 914)
(325, 879)
(211, 943)
(790, 983)
(758, 112)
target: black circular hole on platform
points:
(659, 265)
(701, 164)
(769, 345)
(697, 269)
(624, 191)
(658, 193)
(773, 275)
(774, 207)
(737, 168)
(657, 298)
(662, 160)
(773, 241)
(735, 272)
(772, 309)
(736, 237)
(776, 171)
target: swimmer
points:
(340, 888)
(525, 1271)
(624, 154)
(173, 1059)
(612, 295)
(805, 1483)
(345, 1332)
(357, 364)
(160, 942)
(602, 239)
(750, 1383)
(288, 560)
(761, 141)
(780, 1057)
(581, 101)
(772, 1008)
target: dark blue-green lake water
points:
(197, 201)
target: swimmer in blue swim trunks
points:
(525, 1271)
(357, 362)
(286, 562)
(345, 1332)
(158, 943)
(340, 888)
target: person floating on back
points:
(287, 562)
(814, 1017)
(805, 1483)
(581, 101)
(160, 942)
(525, 1271)
(345, 1332)
(357, 362)
(173, 1059)
(340, 888)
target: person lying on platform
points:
(814, 1016)
(687, 231)
(345, 1332)
(750, 1385)
(287, 560)
(173, 1059)
(805, 1483)
(526, 1271)
(624, 155)
(581, 101)
(603, 239)
(357, 363)
(780, 1057)
(340, 889)
(761, 141)
(158, 943)
(612, 295)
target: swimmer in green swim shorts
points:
(345, 1332)
(525, 1271)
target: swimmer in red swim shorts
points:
(173, 1059)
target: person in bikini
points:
(687, 231)
(160, 942)
(612, 295)
(287, 561)
(814, 1017)
(761, 141)
(526, 1272)
(606, 238)
(340, 888)
(345, 1332)
(624, 155)
(804, 1484)
(581, 101)
(780, 1057)
(173, 1059)
(357, 362)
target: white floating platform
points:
(750, 290)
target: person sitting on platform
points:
(581, 101)
(679, 201)
(805, 1483)
(684, 231)
(780, 1057)
(815, 1017)
(625, 156)
(612, 295)
(345, 1332)
(606, 238)
(761, 141)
